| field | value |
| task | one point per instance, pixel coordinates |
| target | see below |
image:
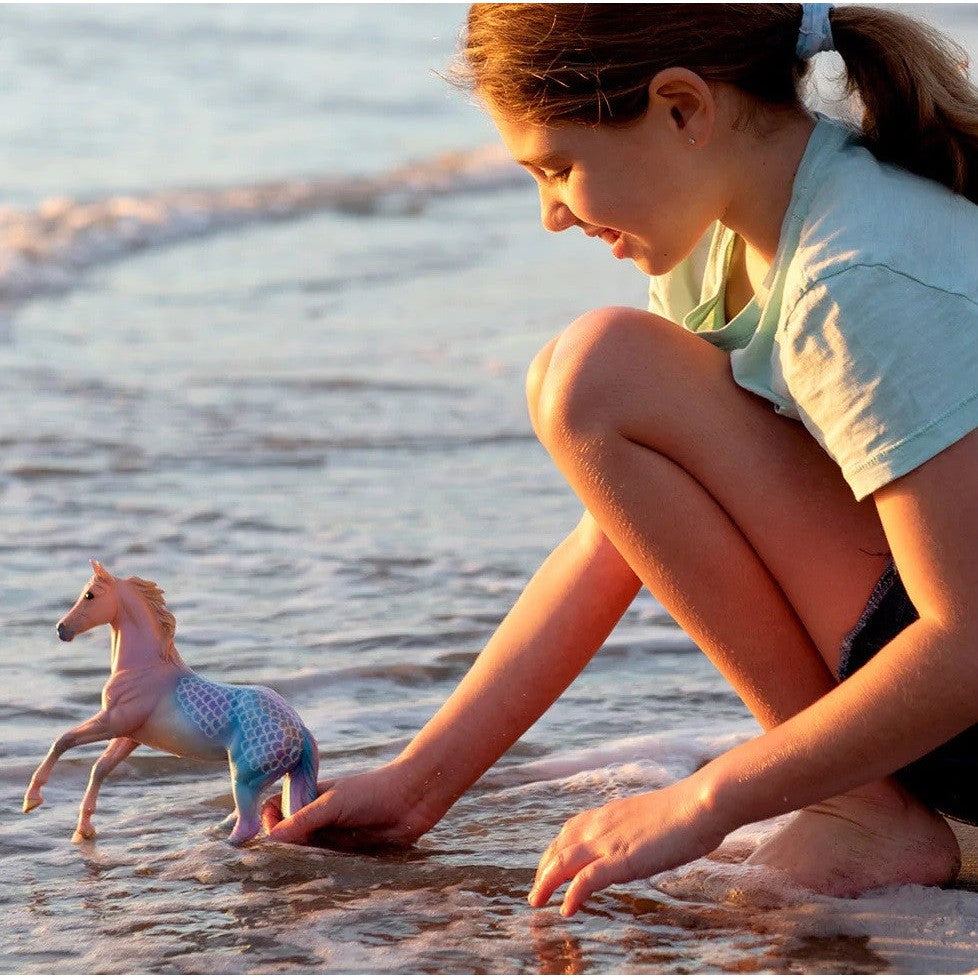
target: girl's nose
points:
(555, 216)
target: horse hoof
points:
(30, 803)
(238, 839)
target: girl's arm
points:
(561, 619)
(915, 694)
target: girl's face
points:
(642, 189)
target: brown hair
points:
(592, 64)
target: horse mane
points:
(153, 595)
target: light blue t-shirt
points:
(866, 327)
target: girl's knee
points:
(575, 383)
(535, 376)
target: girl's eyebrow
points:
(548, 161)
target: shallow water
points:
(264, 343)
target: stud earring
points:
(692, 140)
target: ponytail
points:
(920, 109)
(591, 64)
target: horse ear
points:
(100, 571)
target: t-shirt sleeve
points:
(883, 370)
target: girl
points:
(783, 449)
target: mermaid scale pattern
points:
(270, 732)
(206, 705)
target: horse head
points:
(98, 604)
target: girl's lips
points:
(614, 239)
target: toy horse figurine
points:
(153, 698)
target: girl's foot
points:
(877, 835)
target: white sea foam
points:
(656, 759)
(48, 248)
(914, 929)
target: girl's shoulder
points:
(857, 212)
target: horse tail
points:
(299, 787)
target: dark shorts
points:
(946, 778)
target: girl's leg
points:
(744, 530)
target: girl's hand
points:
(364, 811)
(629, 839)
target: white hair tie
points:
(815, 33)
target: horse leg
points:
(301, 788)
(246, 789)
(296, 792)
(113, 755)
(93, 729)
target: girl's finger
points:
(299, 826)
(561, 841)
(595, 876)
(560, 868)
(293, 829)
(545, 860)
(271, 813)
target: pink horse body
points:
(154, 698)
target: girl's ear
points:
(684, 102)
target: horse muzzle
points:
(64, 632)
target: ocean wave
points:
(657, 758)
(32, 466)
(47, 249)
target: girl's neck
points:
(763, 169)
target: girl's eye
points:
(89, 596)
(560, 176)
